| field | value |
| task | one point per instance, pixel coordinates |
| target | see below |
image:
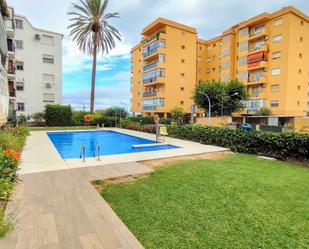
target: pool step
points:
(135, 146)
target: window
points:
(183, 47)
(298, 87)
(299, 71)
(48, 97)
(182, 88)
(209, 47)
(49, 59)
(208, 70)
(300, 55)
(213, 69)
(208, 59)
(200, 48)
(182, 75)
(275, 71)
(19, 44)
(301, 39)
(302, 23)
(21, 107)
(162, 57)
(258, 30)
(19, 86)
(226, 39)
(275, 88)
(200, 58)
(18, 24)
(182, 102)
(48, 79)
(214, 45)
(182, 60)
(183, 33)
(48, 40)
(278, 22)
(243, 46)
(276, 55)
(277, 38)
(243, 60)
(225, 52)
(298, 103)
(225, 65)
(243, 75)
(274, 103)
(19, 65)
(256, 91)
(244, 32)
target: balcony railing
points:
(9, 24)
(12, 94)
(155, 36)
(149, 108)
(150, 66)
(150, 94)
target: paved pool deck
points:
(40, 149)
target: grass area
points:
(235, 202)
(61, 128)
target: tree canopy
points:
(225, 97)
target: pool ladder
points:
(97, 149)
(96, 152)
(82, 152)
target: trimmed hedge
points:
(58, 115)
(278, 145)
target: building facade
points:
(38, 64)
(4, 92)
(268, 53)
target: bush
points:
(278, 145)
(78, 118)
(13, 138)
(58, 115)
(39, 117)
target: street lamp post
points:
(209, 107)
(232, 95)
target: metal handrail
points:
(97, 149)
(82, 152)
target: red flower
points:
(16, 155)
(8, 152)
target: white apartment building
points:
(4, 91)
(38, 67)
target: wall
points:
(215, 121)
(34, 68)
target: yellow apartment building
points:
(268, 52)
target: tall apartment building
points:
(38, 63)
(4, 95)
(269, 53)
(31, 67)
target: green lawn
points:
(236, 202)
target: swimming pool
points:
(68, 144)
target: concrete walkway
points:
(61, 209)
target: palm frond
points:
(90, 27)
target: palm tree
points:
(91, 30)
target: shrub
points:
(8, 164)
(13, 138)
(58, 115)
(278, 145)
(88, 118)
(6, 187)
(78, 118)
(39, 117)
(264, 111)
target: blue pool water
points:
(68, 144)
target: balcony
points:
(9, 26)
(150, 66)
(149, 108)
(257, 65)
(153, 104)
(150, 94)
(152, 48)
(257, 34)
(156, 36)
(254, 105)
(11, 49)
(257, 80)
(254, 49)
(153, 76)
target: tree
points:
(177, 114)
(225, 97)
(91, 30)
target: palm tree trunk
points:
(94, 67)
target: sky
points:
(113, 71)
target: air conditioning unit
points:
(37, 37)
(48, 85)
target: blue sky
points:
(113, 74)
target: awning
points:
(256, 57)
